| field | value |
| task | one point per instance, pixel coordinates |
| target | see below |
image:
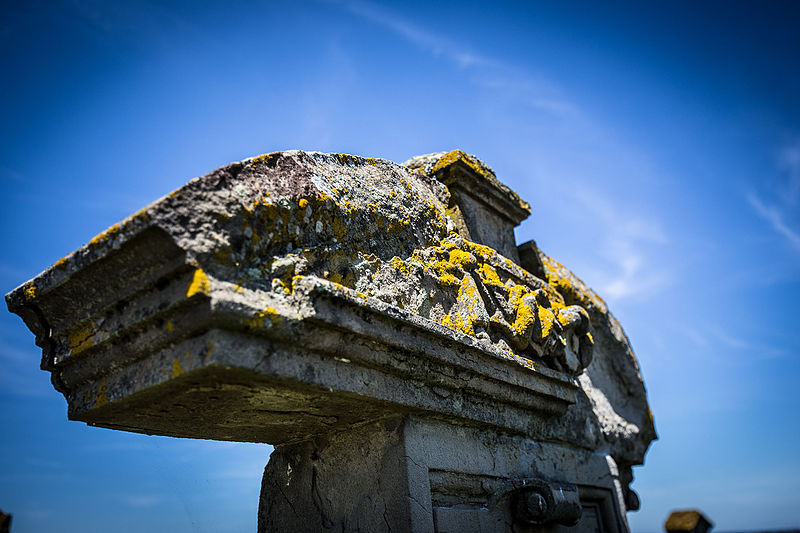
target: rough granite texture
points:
(297, 294)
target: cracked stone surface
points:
(293, 296)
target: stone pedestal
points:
(421, 474)
(355, 314)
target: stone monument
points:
(413, 367)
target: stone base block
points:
(421, 475)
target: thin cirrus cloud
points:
(789, 163)
(630, 270)
(142, 500)
(726, 346)
(425, 40)
(781, 212)
(484, 71)
(776, 218)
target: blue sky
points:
(659, 147)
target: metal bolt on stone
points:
(414, 368)
(531, 507)
(543, 502)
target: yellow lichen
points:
(177, 369)
(102, 395)
(480, 249)
(399, 265)
(457, 155)
(447, 320)
(524, 320)
(141, 215)
(263, 319)
(347, 159)
(570, 287)
(445, 272)
(264, 158)
(476, 166)
(199, 284)
(462, 259)
(333, 277)
(467, 289)
(108, 234)
(457, 322)
(81, 338)
(489, 275)
(546, 319)
(29, 291)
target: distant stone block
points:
(688, 521)
(5, 522)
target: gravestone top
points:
(298, 294)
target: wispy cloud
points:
(634, 275)
(694, 335)
(781, 210)
(721, 344)
(774, 215)
(627, 234)
(728, 339)
(789, 164)
(144, 22)
(142, 500)
(9, 174)
(482, 70)
(419, 36)
(37, 513)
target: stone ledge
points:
(389, 360)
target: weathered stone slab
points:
(257, 265)
(362, 312)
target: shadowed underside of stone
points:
(299, 293)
